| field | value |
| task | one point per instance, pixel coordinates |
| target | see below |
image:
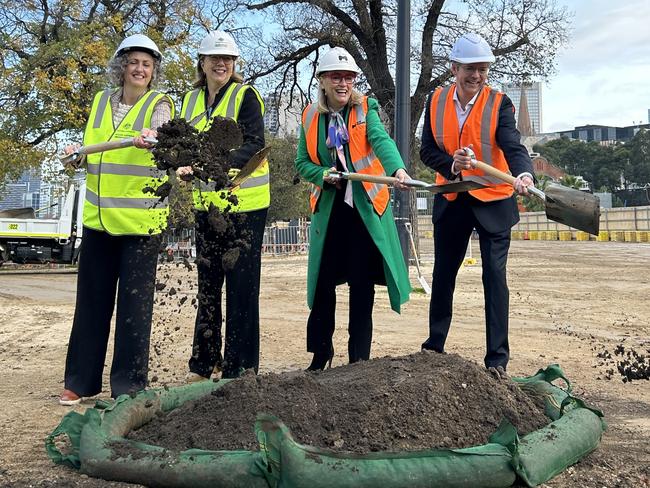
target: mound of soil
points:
(421, 401)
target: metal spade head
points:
(249, 168)
(456, 186)
(572, 207)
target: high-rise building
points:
(280, 119)
(533, 93)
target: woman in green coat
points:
(353, 237)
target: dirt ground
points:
(570, 302)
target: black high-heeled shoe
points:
(320, 360)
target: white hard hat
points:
(471, 48)
(138, 42)
(337, 59)
(218, 42)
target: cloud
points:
(603, 74)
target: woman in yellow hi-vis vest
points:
(353, 237)
(120, 244)
(219, 91)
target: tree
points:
(601, 166)
(53, 55)
(525, 36)
(638, 158)
(289, 195)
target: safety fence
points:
(627, 224)
(286, 237)
(621, 224)
(280, 238)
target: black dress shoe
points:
(320, 360)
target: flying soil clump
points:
(208, 154)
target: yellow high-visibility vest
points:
(254, 193)
(115, 199)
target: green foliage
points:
(606, 168)
(289, 194)
(53, 55)
(532, 203)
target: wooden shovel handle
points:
(106, 146)
(508, 178)
(492, 171)
(386, 180)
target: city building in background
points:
(23, 193)
(44, 195)
(604, 134)
(280, 119)
(532, 99)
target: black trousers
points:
(242, 344)
(110, 264)
(451, 236)
(349, 255)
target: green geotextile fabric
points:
(88, 441)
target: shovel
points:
(454, 187)
(250, 167)
(567, 206)
(101, 147)
(423, 282)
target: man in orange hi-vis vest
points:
(470, 114)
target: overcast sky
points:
(603, 75)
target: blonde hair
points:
(355, 99)
(200, 79)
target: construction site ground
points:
(572, 303)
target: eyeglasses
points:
(215, 58)
(481, 70)
(336, 79)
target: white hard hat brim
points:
(479, 59)
(126, 50)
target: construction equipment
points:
(32, 240)
(454, 187)
(74, 158)
(567, 206)
(421, 280)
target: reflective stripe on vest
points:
(254, 192)
(363, 158)
(116, 180)
(479, 130)
(310, 126)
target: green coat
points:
(382, 229)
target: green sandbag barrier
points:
(284, 463)
(92, 435)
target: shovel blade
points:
(572, 207)
(249, 168)
(456, 186)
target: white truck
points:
(25, 239)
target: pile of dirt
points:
(421, 401)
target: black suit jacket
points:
(495, 216)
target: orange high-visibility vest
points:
(364, 160)
(480, 130)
